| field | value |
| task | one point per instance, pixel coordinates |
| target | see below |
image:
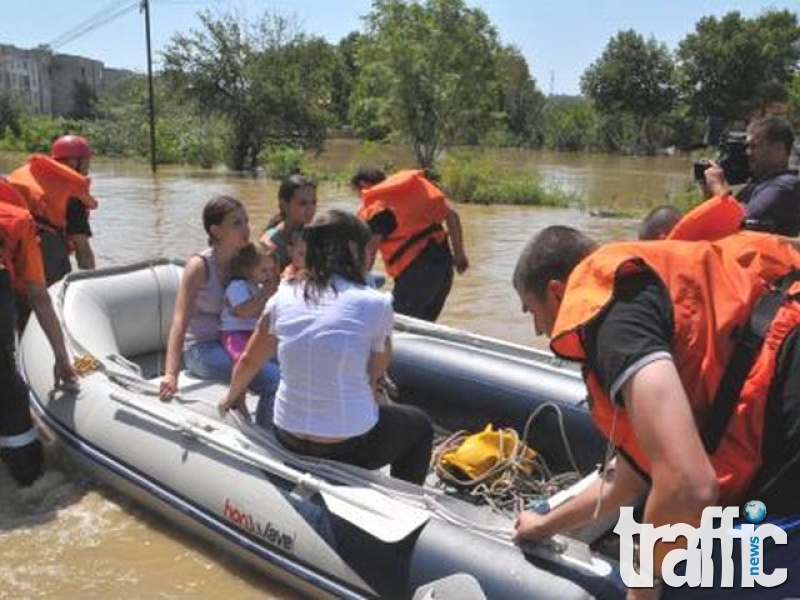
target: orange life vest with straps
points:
(715, 218)
(419, 207)
(48, 186)
(16, 225)
(10, 195)
(713, 287)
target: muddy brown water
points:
(66, 537)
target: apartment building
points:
(45, 81)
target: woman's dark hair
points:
(246, 258)
(329, 240)
(285, 192)
(215, 211)
(550, 256)
(368, 175)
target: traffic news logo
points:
(698, 552)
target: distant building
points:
(65, 72)
(26, 75)
(46, 82)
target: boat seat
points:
(127, 313)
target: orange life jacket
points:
(48, 186)
(419, 208)
(10, 195)
(713, 287)
(714, 219)
(16, 224)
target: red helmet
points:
(70, 146)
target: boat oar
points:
(374, 512)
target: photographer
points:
(771, 197)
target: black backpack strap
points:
(413, 239)
(749, 341)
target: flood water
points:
(65, 537)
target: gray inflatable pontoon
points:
(329, 530)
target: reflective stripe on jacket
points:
(713, 287)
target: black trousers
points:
(422, 288)
(402, 438)
(20, 449)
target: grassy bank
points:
(467, 175)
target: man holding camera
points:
(771, 197)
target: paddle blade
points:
(376, 513)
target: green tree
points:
(344, 75)
(794, 100)
(268, 81)
(426, 73)
(84, 100)
(732, 67)
(519, 100)
(10, 113)
(570, 124)
(632, 81)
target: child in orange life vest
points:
(253, 279)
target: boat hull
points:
(116, 431)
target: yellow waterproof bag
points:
(479, 454)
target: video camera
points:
(732, 159)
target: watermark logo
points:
(700, 542)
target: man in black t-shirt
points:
(637, 332)
(74, 152)
(422, 286)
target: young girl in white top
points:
(332, 334)
(252, 280)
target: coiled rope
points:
(514, 482)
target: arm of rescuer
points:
(619, 485)
(456, 235)
(79, 233)
(84, 255)
(194, 275)
(29, 268)
(683, 479)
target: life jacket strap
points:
(749, 341)
(413, 239)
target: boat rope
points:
(511, 476)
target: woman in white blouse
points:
(332, 334)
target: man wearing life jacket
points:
(405, 213)
(56, 188)
(656, 325)
(771, 198)
(21, 270)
